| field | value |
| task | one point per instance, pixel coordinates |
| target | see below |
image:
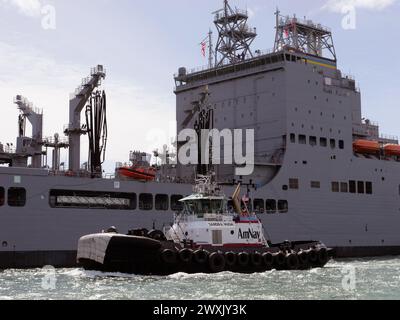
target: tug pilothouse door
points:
(217, 237)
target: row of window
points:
(125, 201)
(313, 141)
(16, 197)
(114, 200)
(360, 187)
(269, 206)
(147, 202)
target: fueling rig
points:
(33, 151)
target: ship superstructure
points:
(321, 170)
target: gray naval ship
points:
(322, 172)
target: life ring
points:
(268, 260)
(168, 256)
(201, 256)
(230, 259)
(217, 262)
(303, 259)
(313, 256)
(279, 260)
(186, 255)
(323, 257)
(292, 261)
(243, 259)
(256, 259)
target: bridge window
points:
(335, 186)
(302, 139)
(92, 200)
(323, 142)
(344, 187)
(2, 195)
(368, 188)
(315, 184)
(231, 206)
(176, 205)
(333, 143)
(352, 187)
(313, 141)
(283, 206)
(294, 184)
(162, 202)
(259, 206)
(146, 201)
(270, 206)
(341, 144)
(292, 138)
(361, 187)
(16, 197)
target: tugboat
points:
(206, 237)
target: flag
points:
(203, 48)
(245, 201)
(286, 32)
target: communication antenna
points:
(234, 35)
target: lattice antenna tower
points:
(234, 35)
(303, 35)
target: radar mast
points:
(303, 35)
(234, 35)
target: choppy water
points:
(354, 279)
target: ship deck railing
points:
(257, 59)
(289, 21)
(248, 58)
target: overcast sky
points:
(143, 43)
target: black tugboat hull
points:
(145, 256)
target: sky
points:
(48, 46)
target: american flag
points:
(286, 32)
(203, 48)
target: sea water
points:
(344, 279)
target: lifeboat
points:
(138, 173)
(392, 150)
(366, 147)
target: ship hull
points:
(109, 252)
(37, 234)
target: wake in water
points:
(373, 279)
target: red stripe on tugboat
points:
(231, 245)
(247, 222)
